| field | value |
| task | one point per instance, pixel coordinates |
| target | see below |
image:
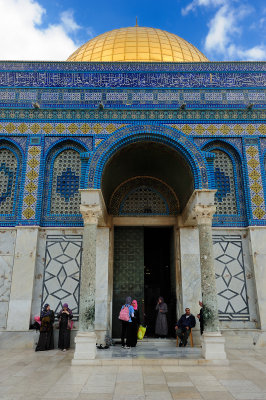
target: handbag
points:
(141, 332)
(70, 324)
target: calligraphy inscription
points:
(124, 80)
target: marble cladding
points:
(22, 279)
(253, 249)
(62, 272)
(40, 268)
(7, 249)
(237, 282)
(191, 281)
(258, 252)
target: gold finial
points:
(136, 21)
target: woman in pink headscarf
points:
(135, 324)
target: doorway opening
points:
(144, 268)
(159, 276)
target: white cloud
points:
(225, 29)
(256, 53)
(23, 38)
(68, 21)
(221, 28)
(197, 3)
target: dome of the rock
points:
(138, 44)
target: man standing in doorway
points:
(184, 326)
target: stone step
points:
(150, 361)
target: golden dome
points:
(137, 44)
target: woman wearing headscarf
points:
(65, 326)
(46, 339)
(161, 326)
(126, 311)
(135, 324)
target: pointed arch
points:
(229, 182)
(10, 179)
(149, 133)
(62, 181)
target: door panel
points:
(128, 270)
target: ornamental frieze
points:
(217, 115)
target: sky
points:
(223, 30)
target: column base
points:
(85, 348)
(213, 346)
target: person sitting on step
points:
(184, 326)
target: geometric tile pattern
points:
(143, 196)
(53, 128)
(31, 183)
(67, 184)
(221, 129)
(62, 272)
(230, 278)
(59, 97)
(129, 115)
(8, 172)
(225, 197)
(255, 182)
(128, 269)
(103, 128)
(142, 201)
(65, 196)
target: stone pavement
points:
(25, 374)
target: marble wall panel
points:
(258, 253)
(7, 249)
(6, 267)
(7, 242)
(56, 273)
(235, 279)
(22, 279)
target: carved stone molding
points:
(204, 214)
(90, 213)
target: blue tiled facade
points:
(50, 108)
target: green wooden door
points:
(128, 270)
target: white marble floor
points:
(25, 374)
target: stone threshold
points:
(151, 362)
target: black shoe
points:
(180, 344)
(185, 343)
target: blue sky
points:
(53, 29)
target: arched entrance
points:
(165, 166)
(145, 186)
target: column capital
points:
(204, 213)
(90, 213)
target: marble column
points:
(86, 338)
(213, 342)
(102, 311)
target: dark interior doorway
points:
(144, 268)
(159, 276)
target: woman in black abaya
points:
(46, 339)
(64, 318)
